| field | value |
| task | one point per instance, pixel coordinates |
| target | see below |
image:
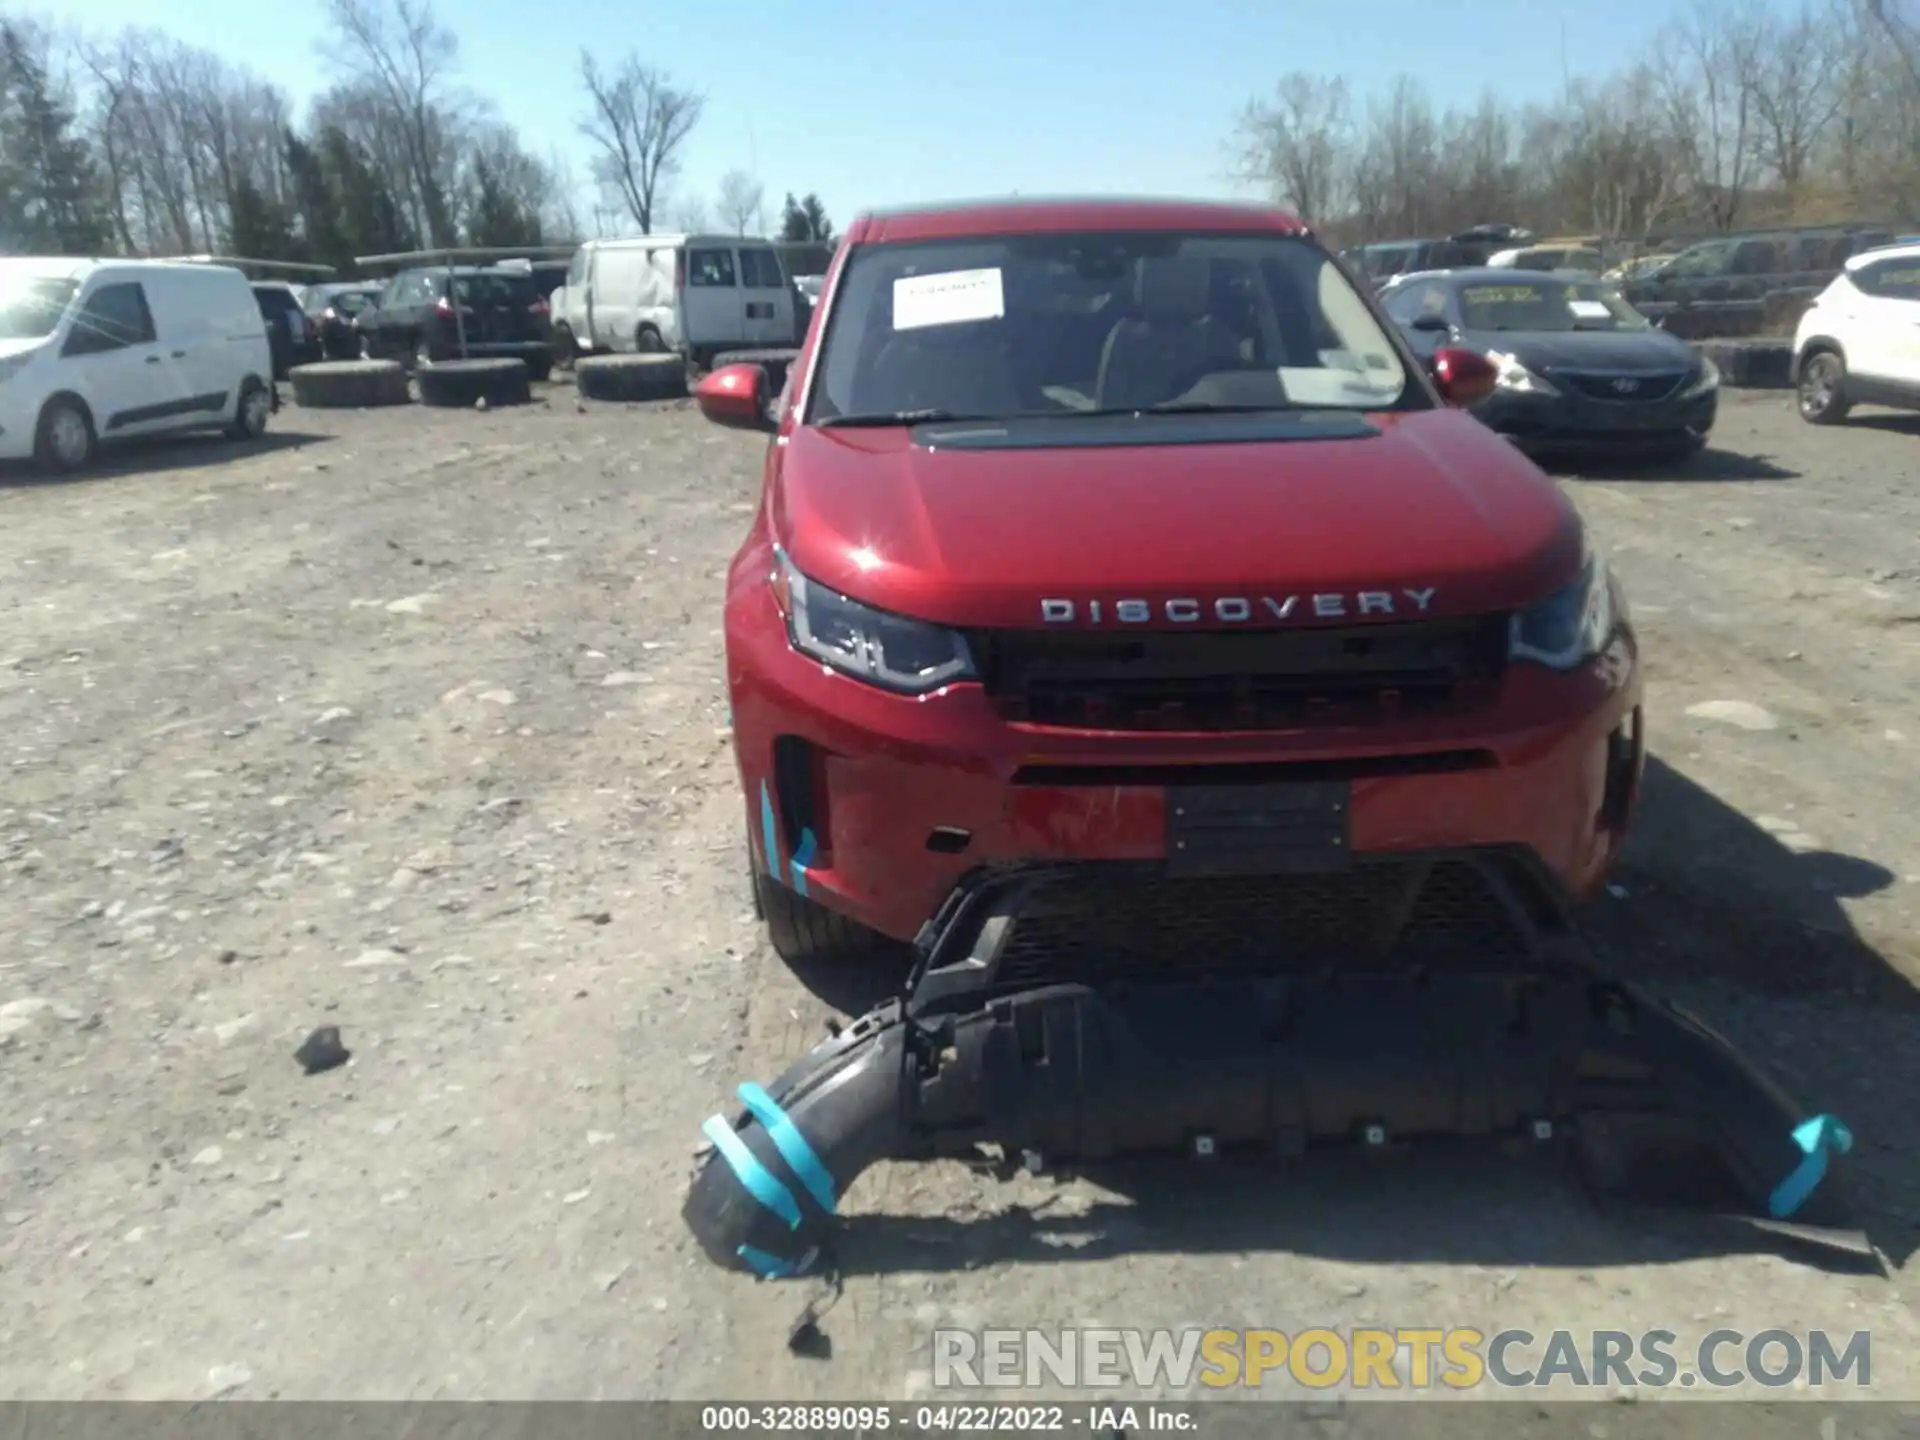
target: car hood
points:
(1629, 352)
(11, 348)
(1429, 508)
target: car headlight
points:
(1570, 626)
(1707, 379)
(1512, 375)
(909, 657)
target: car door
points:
(112, 357)
(1882, 339)
(713, 303)
(769, 306)
(400, 309)
(374, 324)
(616, 292)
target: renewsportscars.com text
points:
(1398, 1359)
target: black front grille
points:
(1242, 680)
(1124, 922)
(1637, 388)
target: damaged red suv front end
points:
(1129, 538)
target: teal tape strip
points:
(1817, 1138)
(791, 1144)
(770, 1267)
(802, 858)
(759, 1180)
(770, 832)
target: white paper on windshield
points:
(1338, 387)
(1589, 310)
(954, 297)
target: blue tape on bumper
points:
(1816, 1138)
(769, 832)
(759, 1180)
(772, 1267)
(802, 858)
(791, 1144)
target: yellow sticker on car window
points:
(1903, 278)
(1502, 295)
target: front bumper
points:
(877, 805)
(1575, 421)
(1648, 1103)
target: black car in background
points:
(1579, 367)
(331, 310)
(547, 276)
(1383, 261)
(1734, 268)
(292, 337)
(430, 314)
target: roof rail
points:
(240, 261)
(453, 255)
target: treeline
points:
(137, 144)
(1735, 116)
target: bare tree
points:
(405, 57)
(742, 202)
(1294, 143)
(1899, 24)
(1708, 60)
(690, 216)
(1796, 86)
(639, 120)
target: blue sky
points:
(873, 104)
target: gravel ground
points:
(411, 723)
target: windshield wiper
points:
(881, 419)
(1194, 407)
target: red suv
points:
(1128, 541)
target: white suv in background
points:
(1859, 342)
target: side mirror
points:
(1431, 322)
(735, 396)
(1465, 377)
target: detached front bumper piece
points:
(1650, 1105)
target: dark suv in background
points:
(1749, 267)
(427, 315)
(331, 310)
(1463, 249)
(294, 339)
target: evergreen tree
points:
(51, 198)
(497, 218)
(257, 228)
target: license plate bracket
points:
(1302, 828)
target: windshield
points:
(1547, 305)
(1041, 325)
(31, 308)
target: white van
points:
(697, 294)
(96, 350)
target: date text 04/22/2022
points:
(946, 1419)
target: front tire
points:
(250, 415)
(1822, 386)
(806, 933)
(64, 441)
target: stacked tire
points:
(465, 384)
(626, 379)
(1751, 364)
(349, 385)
